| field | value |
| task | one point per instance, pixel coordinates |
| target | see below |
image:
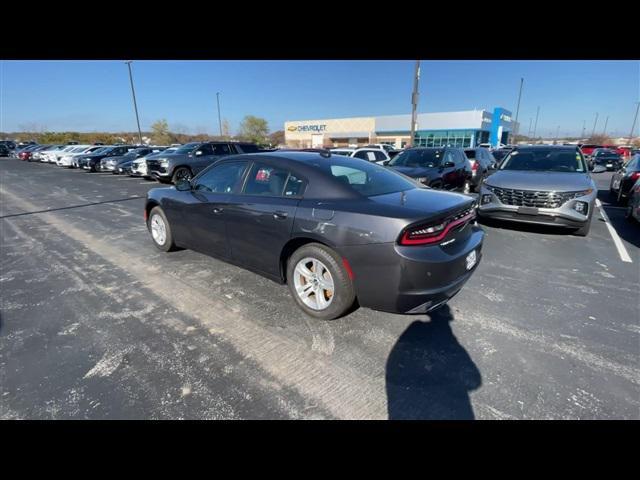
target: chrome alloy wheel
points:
(158, 229)
(313, 283)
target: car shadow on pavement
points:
(429, 374)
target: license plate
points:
(471, 260)
(609, 164)
(528, 210)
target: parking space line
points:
(622, 251)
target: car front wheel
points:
(160, 230)
(319, 282)
(181, 173)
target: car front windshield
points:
(426, 158)
(364, 177)
(544, 160)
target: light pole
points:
(135, 106)
(594, 125)
(535, 127)
(584, 126)
(414, 102)
(219, 121)
(529, 130)
(634, 123)
(604, 132)
(515, 126)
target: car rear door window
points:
(223, 178)
(271, 181)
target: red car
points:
(587, 149)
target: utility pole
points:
(135, 106)
(515, 126)
(604, 132)
(219, 121)
(414, 102)
(634, 123)
(594, 125)
(535, 127)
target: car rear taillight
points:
(433, 233)
(474, 165)
(635, 176)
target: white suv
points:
(372, 154)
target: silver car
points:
(548, 185)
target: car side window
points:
(205, 149)
(271, 181)
(224, 178)
(221, 149)
(448, 157)
(361, 154)
(379, 156)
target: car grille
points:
(153, 165)
(533, 198)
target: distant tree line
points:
(252, 129)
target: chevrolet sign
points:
(307, 128)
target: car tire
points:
(620, 199)
(584, 231)
(628, 212)
(181, 173)
(342, 296)
(160, 230)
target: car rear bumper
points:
(412, 279)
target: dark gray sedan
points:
(337, 230)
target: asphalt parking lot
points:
(96, 323)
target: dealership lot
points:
(96, 323)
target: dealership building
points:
(459, 129)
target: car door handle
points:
(280, 215)
(217, 210)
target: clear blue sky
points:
(96, 96)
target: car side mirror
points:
(449, 164)
(598, 169)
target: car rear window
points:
(364, 177)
